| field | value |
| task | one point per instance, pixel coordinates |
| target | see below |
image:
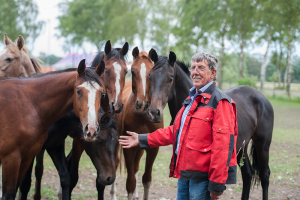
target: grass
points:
(284, 156)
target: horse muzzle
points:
(154, 115)
(91, 132)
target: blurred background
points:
(256, 41)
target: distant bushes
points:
(247, 81)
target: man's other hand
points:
(129, 141)
(215, 196)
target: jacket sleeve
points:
(223, 128)
(160, 137)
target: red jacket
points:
(207, 146)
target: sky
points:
(49, 43)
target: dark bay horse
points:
(134, 118)
(15, 60)
(31, 105)
(115, 72)
(170, 83)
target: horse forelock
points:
(162, 60)
(143, 55)
(13, 48)
(115, 55)
(91, 76)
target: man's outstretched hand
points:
(129, 141)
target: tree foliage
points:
(18, 17)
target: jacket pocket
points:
(200, 127)
(220, 136)
(197, 156)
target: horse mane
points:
(114, 54)
(184, 67)
(36, 64)
(163, 59)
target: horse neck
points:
(183, 84)
(27, 66)
(56, 98)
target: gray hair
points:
(212, 60)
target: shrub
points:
(247, 81)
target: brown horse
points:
(15, 60)
(134, 118)
(115, 71)
(31, 105)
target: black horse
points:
(101, 152)
(170, 83)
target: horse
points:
(170, 83)
(15, 60)
(99, 152)
(31, 105)
(134, 118)
(115, 71)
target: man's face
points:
(201, 74)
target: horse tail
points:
(36, 64)
(255, 165)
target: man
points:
(205, 130)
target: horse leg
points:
(25, 184)
(73, 162)
(137, 159)
(58, 157)
(263, 164)
(129, 155)
(247, 172)
(113, 187)
(39, 168)
(0, 181)
(100, 189)
(147, 177)
(10, 171)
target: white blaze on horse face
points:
(117, 68)
(92, 89)
(143, 75)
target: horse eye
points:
(9, 59)
(171, 79)
(78, 92)
(132, 72)
(103, 94)
(149, 77)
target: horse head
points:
(162, 84)
(15, 60)
(140, 69)
(87, 98)
(115, 72)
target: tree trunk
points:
(241, 59)
(220, 67)
(290, 64)
(264, 65)
(278, 66)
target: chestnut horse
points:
(40, 101)
(115, 71)
(134, 118)
(15, 60)
(170, 83)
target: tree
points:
(196, 22)
(243, 25)
(97, 21)
(18, 17)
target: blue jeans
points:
(192, 190)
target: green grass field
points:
(284, 165)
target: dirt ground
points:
(287, 187)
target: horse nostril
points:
(145, 105)
(89, 134)
(138, 105)
(108, 179)
(158, 112)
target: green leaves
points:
(18, 17)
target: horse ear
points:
(107, 47)
(124, 49)
(172, 58)
(7, 41)
(81, 67)
(135, 52)
(20, 42)
(153, 55)
(100, 68)
(150, 52)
